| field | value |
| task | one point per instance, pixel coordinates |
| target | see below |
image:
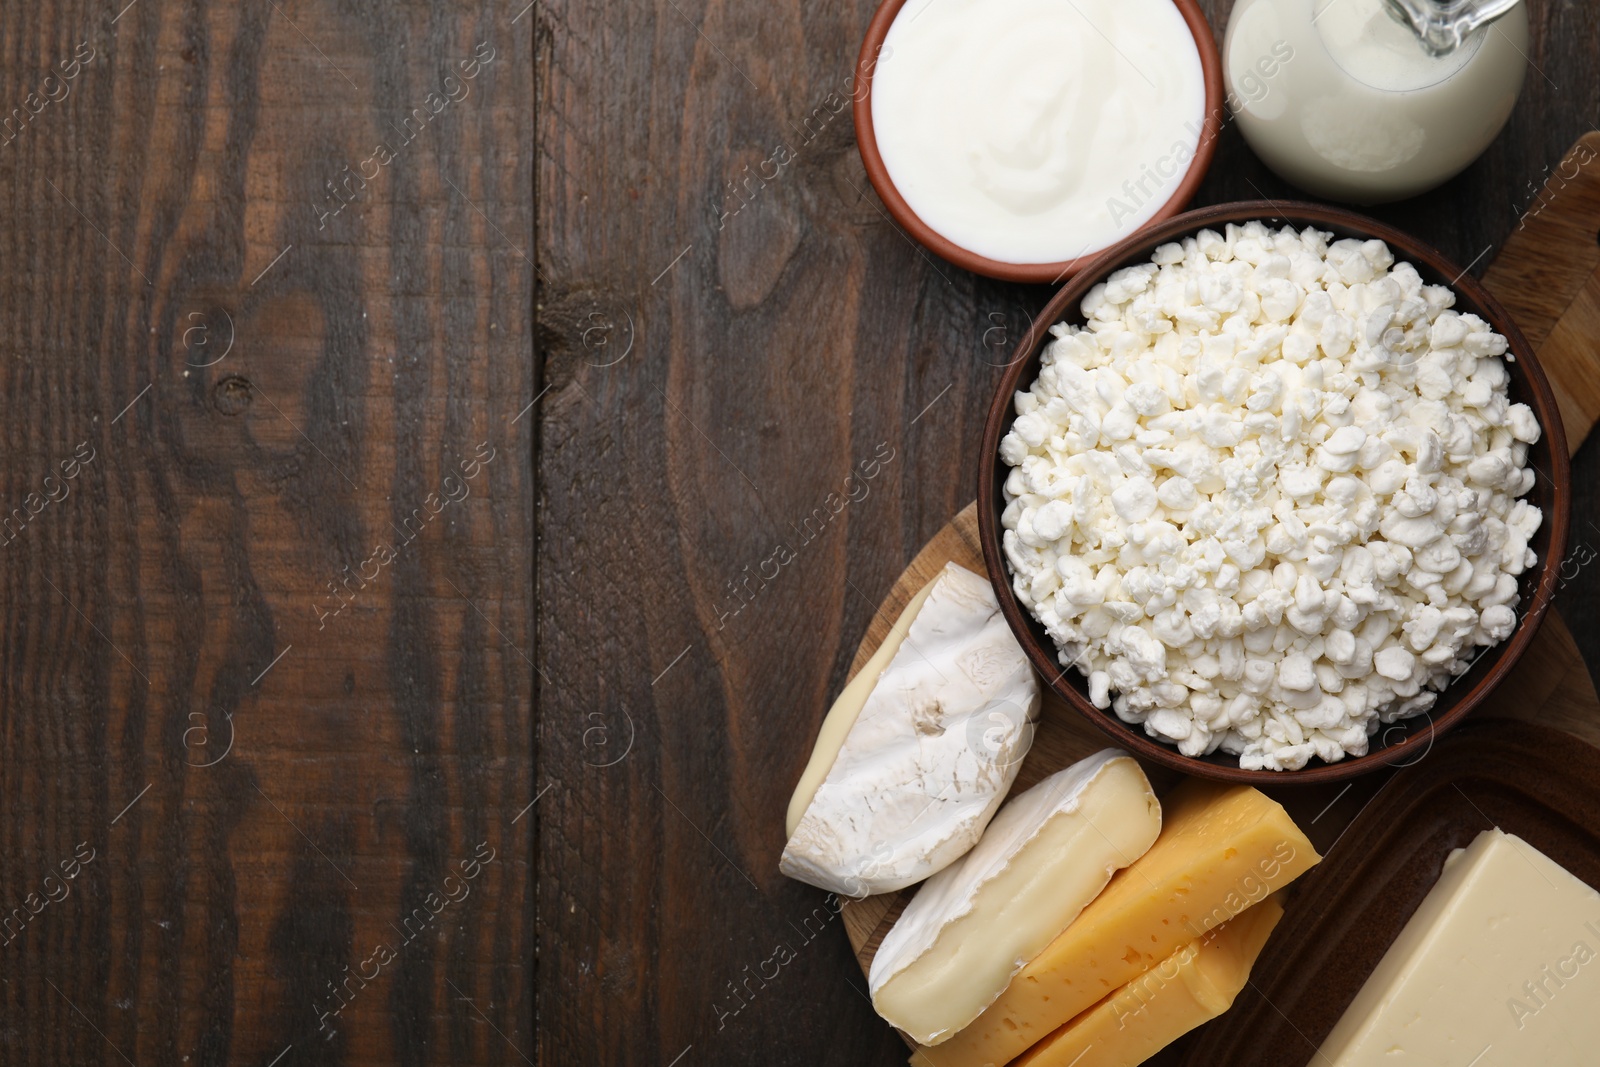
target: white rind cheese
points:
(842, 716)
(906, 776)
(971, 927)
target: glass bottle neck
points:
(1442, 25)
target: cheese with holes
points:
(1497, 967)
(1222, 848)
(919, 750)
(1192, 986)
(973, 925)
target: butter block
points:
(1497, 967)
(973, 925)
(1222, 849)
(1192, 986)
(919, 750)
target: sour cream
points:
(1037, 131)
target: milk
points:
(1363, 112)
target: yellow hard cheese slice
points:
(1222, 848)
(1192, 986)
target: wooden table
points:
(268, 648)
(278, 626)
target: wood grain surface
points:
(266, 520)
(1548, 276)
(762, 401)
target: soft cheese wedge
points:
(1500, 965)
(919, 750)
(973, 925)
(1222, 849)
(1192, 986)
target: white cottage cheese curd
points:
(1268, 498)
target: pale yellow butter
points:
(1499, 967)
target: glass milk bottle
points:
(1373, 100)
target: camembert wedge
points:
(973, 925)
(920, 748)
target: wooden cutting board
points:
(1548, 276)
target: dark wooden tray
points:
(1540, 784)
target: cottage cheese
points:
(1268, 498)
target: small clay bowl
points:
(1407, 739)
(1049, 273)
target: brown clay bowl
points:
(1551, 492)
(1049, 273)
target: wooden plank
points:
(1549, 273)
(1554, 250)
(724, 507)
(276, 741)
(1577, 383)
